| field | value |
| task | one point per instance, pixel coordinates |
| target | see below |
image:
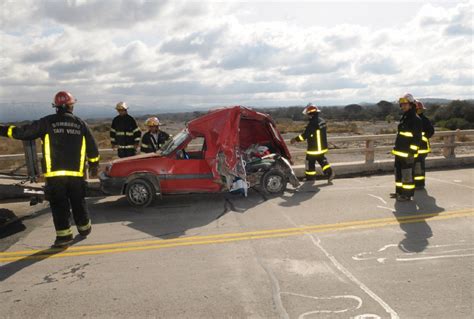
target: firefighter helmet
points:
(121, 106)
(63, 98)
(420, 105)
(152, 121)
(406, 98)
(310, 108)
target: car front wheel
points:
(274, 182)
(140, 192)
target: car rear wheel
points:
(274, 182)
(140, 192)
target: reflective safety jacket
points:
(408, 138)
(150, 144)
(427, 133)
(124, 132)
(67, 143)
(315, 135)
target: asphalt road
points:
(345, 250)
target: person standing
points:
(154, 139)
(67, 145)
(316, 137)
(406, 148)
(124, 132)
(425, 148)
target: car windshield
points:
(173, 143)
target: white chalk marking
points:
(379, 198)
(387, 208)
(433, 257)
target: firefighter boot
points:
(63, 241)
(403, 198)
(332, 174)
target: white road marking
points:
(387, 208)
(379, 198)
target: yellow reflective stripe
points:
(299, 138)
(310, 173)
(83, 155)
(126, 146)
(326, 167)
(408, 186)
(85, 227)
(318, 139)
(47, 154)
(416, 155)
(398, 153)
(424, 151)
(399, 184)
(414, 147)
(136, 130)
(64, 173)
(94, 159)
(145, 145)
(63, 233)
(10, 131)
(419, 178)
(112, 130)
(120, 133)
(137, 139)
(316, 152)
(407, 134)
(424, 138)
(129, 133)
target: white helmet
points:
(121, 106)
(310, 108)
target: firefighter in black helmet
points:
(124, 133)
(407, 145)
(67, 145)
(315, 134)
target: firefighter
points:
(315, 134)
(67, 145)
(154, 139)
(427, 133)
(406, 148)
(124, 133)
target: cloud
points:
(377, 64)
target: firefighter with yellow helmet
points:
(67, 145)
(407, 145)
(315, 135)
(124, 132)
(154, 139)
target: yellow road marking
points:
(223, 238)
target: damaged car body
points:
(228, 149)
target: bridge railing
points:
(448, 145)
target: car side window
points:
(196, 148)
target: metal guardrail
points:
(448, 146)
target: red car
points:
(229, 149)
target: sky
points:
(176, 55)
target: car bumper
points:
(111, 185)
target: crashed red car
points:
(229, 149)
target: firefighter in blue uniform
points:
(425, 148)
(407, 145)
(124, 132)
(315, 135)
(154, 139)
(67, 145)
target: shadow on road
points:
(173, 215)
(417, 231)
(12, 268)
(306, 191)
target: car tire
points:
(273, 182)
(140, 192)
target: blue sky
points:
(204, 54)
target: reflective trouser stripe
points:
(397, 184)
(408, 186)
(85, 227)
(10, 131)
(310, 172)
(64, 233)
(419, 178)
(326, 167)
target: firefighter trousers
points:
(419, 174)
(311, 160)
(126, 152)
(404, 182)
(65, 193)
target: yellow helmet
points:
(406, 98)
(121, 106)
(152, 121)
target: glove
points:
(293, 141)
